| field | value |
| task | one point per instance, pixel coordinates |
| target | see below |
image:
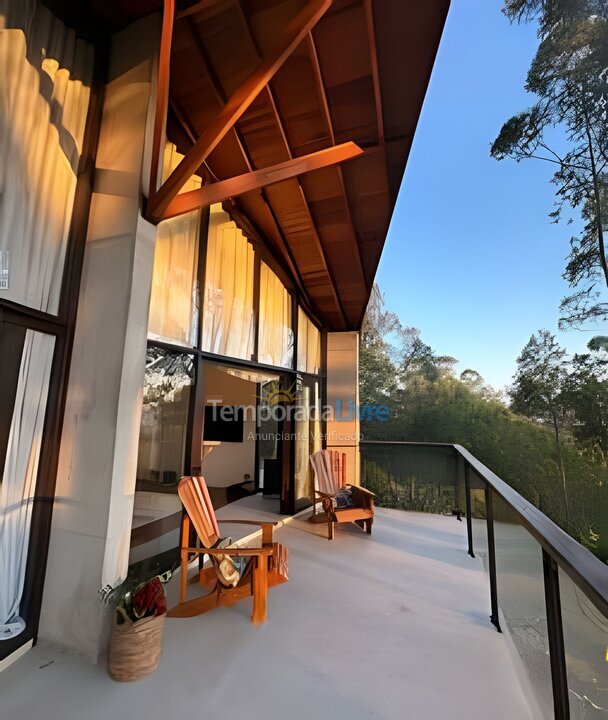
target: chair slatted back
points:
(193, 493)
(329, 467)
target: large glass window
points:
(162, 442)
(309, 345)
(18, 480)
(228, 316)
(44, 99)
(174, 303)
(275, 344)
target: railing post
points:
(467, 498)
(492, 558)
(557, 653)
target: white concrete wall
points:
(97, 467)
(343, 394)
(228, 463)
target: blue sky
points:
(471, 257)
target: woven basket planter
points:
(135, 648)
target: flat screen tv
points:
(224, 423)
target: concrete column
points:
(93, 511)
(343, 396)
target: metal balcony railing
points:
(546, 591)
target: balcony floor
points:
(389, 626)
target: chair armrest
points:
(259, 523)
(365, 491)
(267, 527)
(325, 495)
(232, 552)
(362, 497)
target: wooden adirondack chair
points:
(265, 566)
(329, 468)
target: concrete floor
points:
(389, 626)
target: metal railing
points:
(545, 589)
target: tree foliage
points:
(517, 441)
(569, 79)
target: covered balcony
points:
(402, 623)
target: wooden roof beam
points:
(314, 56)
(162, 93)
(373, 52)
(315, 233)
(290, 37)
(243, 223)
(224, 189)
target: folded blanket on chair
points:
(344, 498)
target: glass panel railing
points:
(411, 477)
(521, 599)
(586, 646)
(532, 599)
(479, 522)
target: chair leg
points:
(368, 526)
(260, 590)
(330, 529)
(183, 584)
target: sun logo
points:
(273, 395)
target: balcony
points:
(396, 625)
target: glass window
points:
(275, 346)
(162, 441)
(309, 345)
(44, 96)
(18, 480)
(228, 317)
(174, 304)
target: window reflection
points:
(167, 387)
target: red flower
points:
(150, 599)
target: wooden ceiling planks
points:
(359, 75)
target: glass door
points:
(307, 438)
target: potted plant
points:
(137, 626)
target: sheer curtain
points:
(228, 318)
(45, 85)
(275, 346)
(309, 344)
(19, 476)
(174, 302)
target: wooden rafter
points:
(291, 36)
(236, 135)
(371, 33)
(211, 7)
(315, 234)
(162, 93)
(224, 189)
(312, 48)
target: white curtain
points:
(228, 318)
(174, 303)
(309, 344)
(275, 343)
(45, 80)
(19, 476)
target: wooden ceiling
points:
(359, 75)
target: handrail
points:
(581, 565)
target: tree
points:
(537, 391)
(586, 395)
(569, 76)
(377, 374)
